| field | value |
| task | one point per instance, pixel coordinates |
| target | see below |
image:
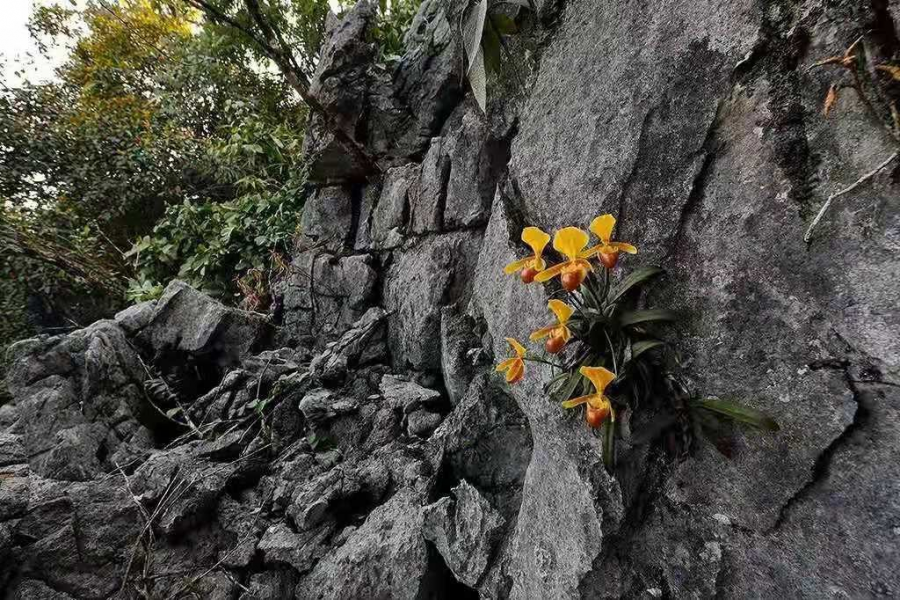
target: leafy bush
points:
(210, 244)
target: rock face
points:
(358, 445)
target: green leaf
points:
(739, 413)
(636, 317)
(490, 46)
(473, 30)
(642, 346)
(503, 24)
(639, 276)
(478, 80)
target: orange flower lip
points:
(513, 367)
(537, 240)
(570, 242)
(563, 313)
(599, 405)
(608, 250)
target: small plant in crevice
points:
(485, 25)
(600, 344)
(877, 85)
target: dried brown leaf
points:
(830, 100)
(891, 70)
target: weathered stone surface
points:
(436, 272)
(325, 295)
(464, 529)
(188, 321)
(389, 218)
(461, 352)
(78, 398)
(422, 423)
(327, 219)
(429, 195)
(390, 544)
(362, 344)
(407, 396)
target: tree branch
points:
(293, 74)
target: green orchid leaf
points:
(638, 277)
(636, 317)
(638, 348)
(503, 24)
(739, 413)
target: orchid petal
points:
(562, 310)
(550, 273)
(506, 364)
(602, 227)
(535, 238)
(515, 371)
(577, 401)
(520, 350)
(623, 247)
(599, 376)
(515, 266)
(570, 241)
(541, 333)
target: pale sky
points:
(15, 41)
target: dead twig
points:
(808, 236)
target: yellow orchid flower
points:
(570, 242)
(559, 333)
(598, 405)
(515, 366)
(608, 250)
(532, 265)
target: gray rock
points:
(321, 406)
(436, 272)
(12, 451)
(475, 163)
(325, 295)
(464, 529)
(189, 321)
(269, 585)
(458, 361)
(407, 396)
(390, 217)
(395, 564)
(429, 195)
(74, 395)
(327, 219)
(422, 423)
(363, 343)
(137, 316)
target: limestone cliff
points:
(356, 444)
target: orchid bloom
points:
(570, 242)
(532, 265)
(598, 405)
(559, 333)
(515, 366)
(608, 250)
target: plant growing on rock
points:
(485, 25)
(599, 343)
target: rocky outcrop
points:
(358, 444)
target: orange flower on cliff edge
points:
(515, 366)
(532, 265)
(608, 250)
(559, 333)
(598, 405)
(570, 242)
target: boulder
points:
(188, 321)
(437, 271)
(465, 529)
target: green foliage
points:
(487, 24)
(609, 329)
(391, 24)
